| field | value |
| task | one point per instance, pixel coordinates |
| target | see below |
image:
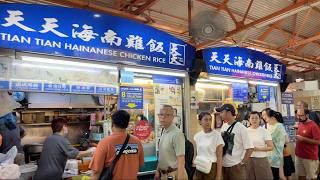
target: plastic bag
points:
(9, 171)
(7, 103)
(8, 158)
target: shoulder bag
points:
(228, 139)
(107, 173)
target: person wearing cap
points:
(238, 146)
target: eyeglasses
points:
(165, 115)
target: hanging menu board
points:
(288, 115)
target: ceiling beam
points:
(305, 41)
(278, 15)
(85, 5)
(117, 4)
(146, 6)
(247, 11)
(305, 18)
(269, 30)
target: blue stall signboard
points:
(162, 79)
(82, 89)
(26, 86)
(263, 93)
(240, 92)
(84, 34)
(106, 90)
(57, 88)
(243, 63)
(131, 97)
(4, 85)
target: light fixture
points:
(228, 80)
(263, 83)
(299, 80)
(96, 15)
(211, 86)
(52, 67)
(155, 72)
(142, 81)
(62, 62)
(212, 81)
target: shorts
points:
(210, 176)
(237, 172)
(258, 168)
(307, 167)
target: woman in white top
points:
(209, 150)
(258, 166)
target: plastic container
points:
(27, 171)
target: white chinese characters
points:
(277, 71)
(238, 61)
(177, 54)
(156, 46)
(135, 42)
(226, 59)
(110, 37)
(267, 67)
(214, 58)
(15, 19)
(249, 63)
(86, 34)
(259, 65)
(51, 25)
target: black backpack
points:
(189, 153)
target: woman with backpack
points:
(257, 167)
(278, 134)
(209, 145)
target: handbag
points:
(203, 164)
(107, 173)
(227, 137)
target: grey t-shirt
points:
(56, 151)
(172, 144)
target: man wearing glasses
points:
(171, 147)
(308, 139)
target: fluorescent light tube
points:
(142, 81)
(263, 83)
(62, 62)
(211, 86)
(212, 81)
(53, 67)
(228, 80)
(155, 72)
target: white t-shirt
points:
(241, 143)
(259, 136)
(207, 144)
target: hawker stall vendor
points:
(56, 151)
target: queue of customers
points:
(236, 152)
(256, 152)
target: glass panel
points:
(158, 90)
(60, 73)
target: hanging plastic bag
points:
(8, 158)
(8, 104)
